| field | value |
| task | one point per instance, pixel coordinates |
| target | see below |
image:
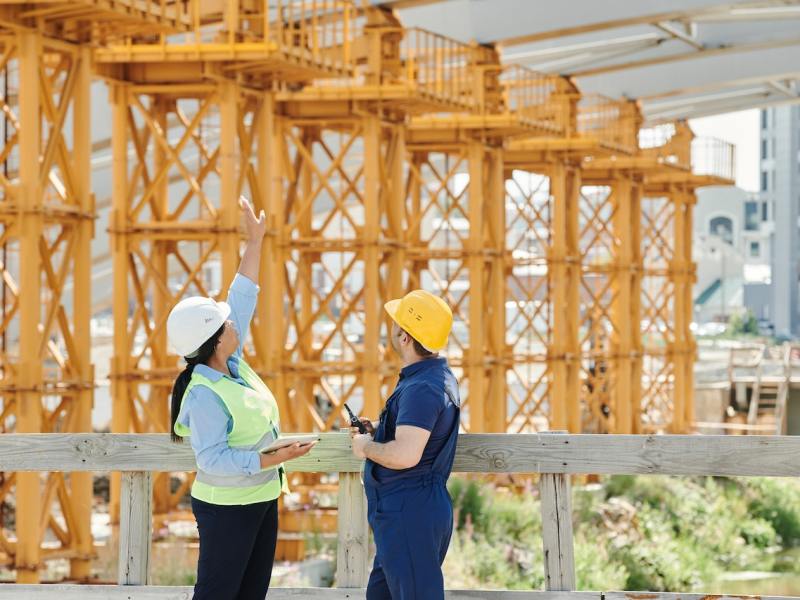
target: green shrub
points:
(776, 501)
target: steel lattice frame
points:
(668, 344)
(46, 213)
(456, 229)
(529, 308)
(610, 221)
(542, 310)
(165, 246)
(339, 235)
(549, 268)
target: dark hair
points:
(419, 348)
(204, 353)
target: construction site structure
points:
(386, 159)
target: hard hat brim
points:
(391, 308)
(225, 310)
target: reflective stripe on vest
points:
(255, 423)
(243, 480)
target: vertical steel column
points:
(159, 249)
(229, 197)
(81, 483)
(270, 311)
(394, 199)
(28, 395)
(395, 207)
(564, 276)
(690, 199)
(414, 234)
(370, 377)
(497, 402)
(677, 272)
(118, 220)
(621, 344)
(304, 386)
(635, 317)
(476, 370)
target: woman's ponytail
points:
(202, 356)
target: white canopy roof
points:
(680, 58)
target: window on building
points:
(751, 216)
(763, 119)
(764, 146)
(764, 211)
(722, 227)
(764, 181)
(755, 249)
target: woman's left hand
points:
(256, 227)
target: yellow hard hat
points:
(426, 318)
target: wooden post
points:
(559, 558)
(135, 526)
(352, 555)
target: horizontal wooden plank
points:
(131, 592)
(682, 596)
(483, 453)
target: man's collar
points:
(420, 365)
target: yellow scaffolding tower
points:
(386, 159)
(46, 213)
(679, 164)
(193, 112)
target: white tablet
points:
(288, 440)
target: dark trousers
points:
(237, 548)
(412, 531)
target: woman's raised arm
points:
(255, 228)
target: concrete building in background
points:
(732, 248)
(780, 188)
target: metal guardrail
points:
(438, 66)
(553, 455)
(529, 96)
(318, 31)
(714, 157)
(678, 146)
(611, 122)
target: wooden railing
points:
(555, 456)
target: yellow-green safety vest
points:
(256, 424)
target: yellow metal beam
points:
(29, 380)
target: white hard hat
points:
(193, 320)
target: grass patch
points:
(637, 533)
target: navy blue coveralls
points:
(410, 511)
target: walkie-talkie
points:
(354, 420)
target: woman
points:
(230, 414)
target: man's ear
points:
(404, 337)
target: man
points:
(409, 455)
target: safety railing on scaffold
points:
(612, 123)
(529, 96)
(714, 157)
(319, 32)
(554, 456)
(439, 67)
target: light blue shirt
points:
(203, 410)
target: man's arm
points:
(403, 452)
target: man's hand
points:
(360, 442)
(256, 228)
(369, 425)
